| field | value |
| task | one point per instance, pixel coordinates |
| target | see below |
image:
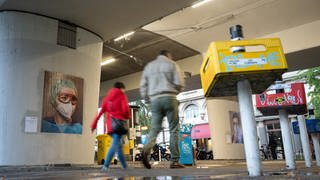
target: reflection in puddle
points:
(154, 178)
(309, 173)
(291, 174)
(203, 167)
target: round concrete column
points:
(28, 48)
(305, 140)
(316, 147)
(286, 139)
(249, 128)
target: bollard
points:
(249, 128)
(286, 139)
(304, 140)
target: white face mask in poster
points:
(65, 109)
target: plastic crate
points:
(222, 69)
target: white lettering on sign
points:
(247, 61)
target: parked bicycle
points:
(138, 155)
(165, 153)
(265, 152)
(201, 154)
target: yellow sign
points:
(131, 143)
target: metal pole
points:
(286, 139)
(304, 140)
(163, 137)
(134, 154)
(316, 147)
(132, 127)
(249, 128)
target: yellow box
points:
(126, 149)
(104, 143)
(131, 143)
(222, 69)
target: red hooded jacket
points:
(115, 104)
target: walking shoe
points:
(124, 167)
(176, 165)
(104, 169)
(145, 160)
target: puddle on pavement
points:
(154, 178)
(291, 174)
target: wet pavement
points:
(214, 169)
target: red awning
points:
(200, 131)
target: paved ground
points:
(213, 169)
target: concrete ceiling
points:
(197, 27)
(107, 18)
(110, 19)
(133, 54)
(174, 25)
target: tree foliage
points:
(312, 77)
(144, 114)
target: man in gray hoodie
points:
(160, 83)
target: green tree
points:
(144, 115)
(312, 77)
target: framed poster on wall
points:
(62, 104)
(236, 128)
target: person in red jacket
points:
(114, 104)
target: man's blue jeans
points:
(116, 146)
(161, 107)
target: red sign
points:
(293, 101)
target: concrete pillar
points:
(249, 128)
(315, 140)
(316, 147)
(220, 129)
(286, 139)
(28, 47)
(304, 140)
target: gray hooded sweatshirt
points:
(161, 76)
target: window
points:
(270, 126)
(273, 125)
(276, 126)
(191, 112)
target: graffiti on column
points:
(186, 148)
(293, 100)
(294, 97)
